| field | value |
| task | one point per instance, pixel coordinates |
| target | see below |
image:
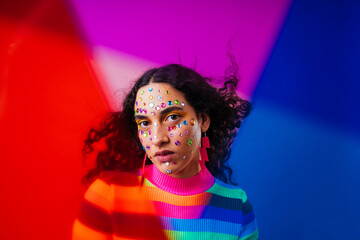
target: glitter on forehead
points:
(176, 102)
(144, 104)
(159, 90)
(167, 92)
(150, 97)
(140, 99)
(142, 92)
(159, 98)
(150, 89)
(136, 103)
(170, 103)
(157, 107)
(152, 113)
(182, 104)
(151, 104)
(163, 105)
(147, 147)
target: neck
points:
(199, 183)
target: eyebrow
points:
(163, 112)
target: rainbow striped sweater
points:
(116, 206)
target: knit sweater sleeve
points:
(249, 229)
(94, 219)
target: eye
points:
(144, 124)
(172, 117)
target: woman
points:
(163, 174)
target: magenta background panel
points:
(128, 37)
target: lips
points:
(164, 156)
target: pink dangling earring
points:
(204, 144)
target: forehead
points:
(154, 97)
(158, 93)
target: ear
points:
(205, 122)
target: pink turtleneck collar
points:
(187, 186)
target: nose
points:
(161, 135)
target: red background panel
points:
(48, 98)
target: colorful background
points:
(64, 64)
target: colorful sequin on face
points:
(182, 104)
(176, 102)
(157, 108)
(151, 104)
(189, 142)
(142, 92)
(167, 92)
(171, 135)
(187, 132)
(177, 143)
(178, 125)
(147, 147)
(151, 97)
(163, 105)
(170, 103)
(159, 98)
(185, 122)
(150, 89)
(192, 122)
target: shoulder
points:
(118, 178)
(228, 191)
(103, 186)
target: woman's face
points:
(169, 129)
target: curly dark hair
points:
(224, 107)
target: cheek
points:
(145, 138)
(184, 135)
